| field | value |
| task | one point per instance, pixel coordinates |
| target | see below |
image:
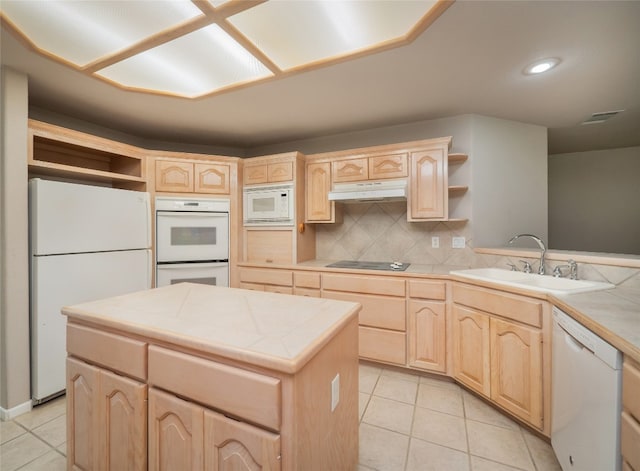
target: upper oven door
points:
(191, 236)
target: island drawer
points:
(631, 388)
(427, 289)
(377, 311)
(390, 286)
(240, 393)
(115, 352)
(268, 277)
(629, 439)
(519, 308)
(383, 345)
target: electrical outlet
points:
(435, 242)
(335, 392)
(457, 242)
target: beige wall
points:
(14, 261)
(594, 201)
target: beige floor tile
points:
(498, 444)
(392, 415)
(543, 455)
(400, 375)
(367, 381)
(424, 456)
(20, 451)
(51, 461)
(370, 369)
(476, 409)
(444, 400)
(481, 464)
(440, 428)
(10, 430)
(445, 383)
(63, 448)
(363, 400)
(396, 389)
(43, 413)
(53, 432)
(382, 449)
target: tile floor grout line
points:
(526, 444)
(413, 418)
(466, 430)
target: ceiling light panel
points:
(294, 33)
(83, 31)
(195, 64)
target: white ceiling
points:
(469, 61)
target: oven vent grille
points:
(601, 117)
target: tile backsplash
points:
(380, 232)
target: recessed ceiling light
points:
(541, 66)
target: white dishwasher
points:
(586, 398)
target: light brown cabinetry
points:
(630, 420)
(263, 279)
(177, 176)
(55, 151)
(383, 316)
(268, 245)
(500, 345)
(427, 325)
(268, 173)
(378, 167)
(318, 208)
(427, 184)
(351, 170)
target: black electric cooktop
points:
(388, 266)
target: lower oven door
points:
(216, 274)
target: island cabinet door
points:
(230, 445)
(83, 420)
(176, 429)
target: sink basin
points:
(531, 281)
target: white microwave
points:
(272, 205)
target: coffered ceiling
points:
(469, 59)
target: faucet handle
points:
(527, 266)
(513, 266)
(573, 269)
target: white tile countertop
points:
(276, 331)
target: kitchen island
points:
(198, 377)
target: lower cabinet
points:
(427, 335)
(630, 420)
(500, 358)
(183, 435)
(107, 419)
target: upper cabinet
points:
(423, 164)
(60, 152)
(268, 172)
(188, 176)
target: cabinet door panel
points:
(83, 421)
(388, 166)
(427, 335)
(176, 430)
(280, 172)
(174, 176)
(255, 174)
(351, 170)
(124, 423)
(267, 246)
(377, 311)
(235, 446)
(383, 345)
(318, 207)
(212, 179)
(516, 369)
(471, 349)
(428, 185)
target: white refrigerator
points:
(86, 243)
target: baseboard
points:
(8, 414)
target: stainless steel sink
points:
(531, 281)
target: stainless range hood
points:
(367, 192)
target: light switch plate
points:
(435, 242)
(335, 392)
(457, 242)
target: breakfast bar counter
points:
(191, 376)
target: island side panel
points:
(314, 437)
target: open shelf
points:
(457, 189)
(457, 158)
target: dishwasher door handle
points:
(574, 343)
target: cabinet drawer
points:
(383, 345)
(631, 389)
(364, 284)
(427, 289)
(305, 279)
(629, 440)
(309, 292)
(388, 166)
(269, 277)
(377, 311)
(278, 289)
(244, 394)
(121, 354)
(518, 308)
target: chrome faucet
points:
(543, 248)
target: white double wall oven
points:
(192, 241)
